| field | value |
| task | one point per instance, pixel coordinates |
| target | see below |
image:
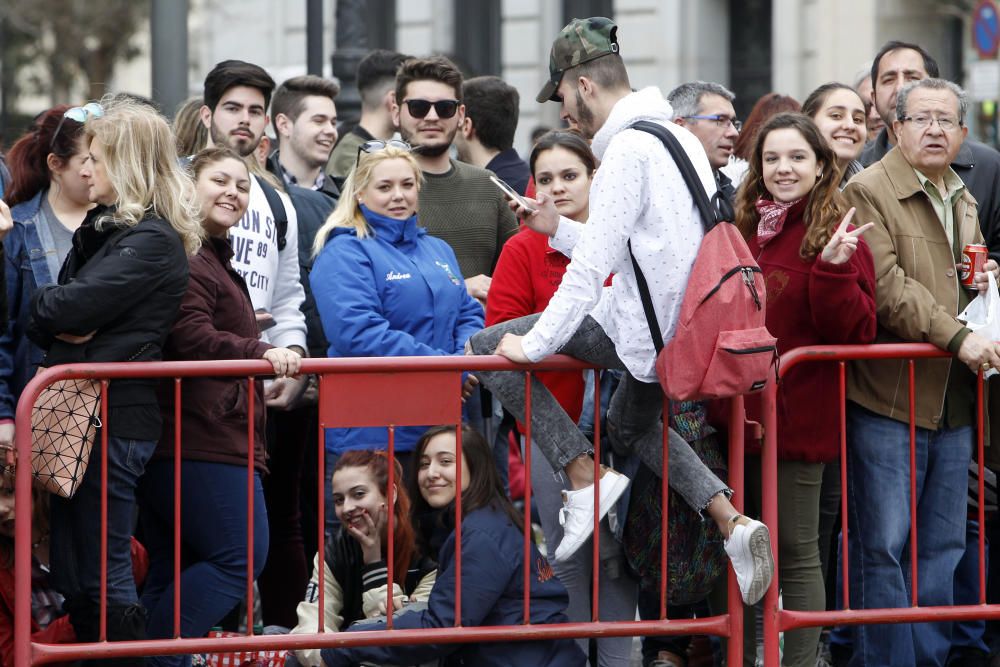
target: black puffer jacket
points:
(126, 285)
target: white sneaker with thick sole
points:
(749, 549)
(577, 513)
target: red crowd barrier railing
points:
(352, 392)
(779, 620)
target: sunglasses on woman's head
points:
(443, 108)
(79, 114)
(376, 145)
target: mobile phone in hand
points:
(512, 194)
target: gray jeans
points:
(634, 415)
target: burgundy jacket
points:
(812, 303)
(216, 321)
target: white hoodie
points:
(638, 194)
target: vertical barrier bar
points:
(737, 416)
(390, 601)
(22, 532)
(251, 440)
(769, 506)
(103, 631)
(320, 513)
(527, 498)
(458, 526)
(845, 568)
(596, 567)
(177, 507)
(981, 509)
(913, 484)
(664, 507)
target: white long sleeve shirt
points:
(638, 194)
(272, 277)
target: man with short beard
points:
(458, 202)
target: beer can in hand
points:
(974, 256)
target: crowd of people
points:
(129, 237)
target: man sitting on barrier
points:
(923, 217)
(637, 197)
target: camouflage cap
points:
(579, 42)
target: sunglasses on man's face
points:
(443, 108)
(376, 145)
(79, 114)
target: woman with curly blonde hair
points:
(117, 296)
(820, 281)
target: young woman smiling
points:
(821, 289)
(216, 321)
(384, 287)
(355, 578)
(841, 116)
(492, 566)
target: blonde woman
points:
(383, 285)
(117, 296)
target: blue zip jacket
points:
(30, 262)
(396, 293)
(492, 580)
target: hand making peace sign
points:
(843, 244)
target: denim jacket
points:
(30, 261)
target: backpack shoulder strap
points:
(277, 210)
(647, 303)
(712, 211)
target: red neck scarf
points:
(772, 218)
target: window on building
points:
(477, 36)
(749, 52)
(581, 9)
(380, 18)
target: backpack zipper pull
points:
(751, 285)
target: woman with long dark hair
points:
(492, 565)
(117, 296)
(841, 116)
(820, 281)
(48, 200)
(216, 321)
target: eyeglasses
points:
(922, 122)
(443, 108)
(79, 114)
(376, 145)
(720, 120)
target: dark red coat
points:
(812, 303)
(216, 321)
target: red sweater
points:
(526, 276)
(815, 303)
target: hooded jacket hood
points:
(645, 104)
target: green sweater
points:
(464, 208)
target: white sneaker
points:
(577, 513)
(749, 548)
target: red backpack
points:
(721, 347)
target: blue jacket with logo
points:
(398, 292)
(492, 595)
(29, 261)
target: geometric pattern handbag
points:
(64, 425)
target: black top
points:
(125, 284)
(510, 168)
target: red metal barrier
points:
(352, 393)
(776, 620)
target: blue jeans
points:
(213, 546)
(878, 504)
(970, 634)
(76, 526)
